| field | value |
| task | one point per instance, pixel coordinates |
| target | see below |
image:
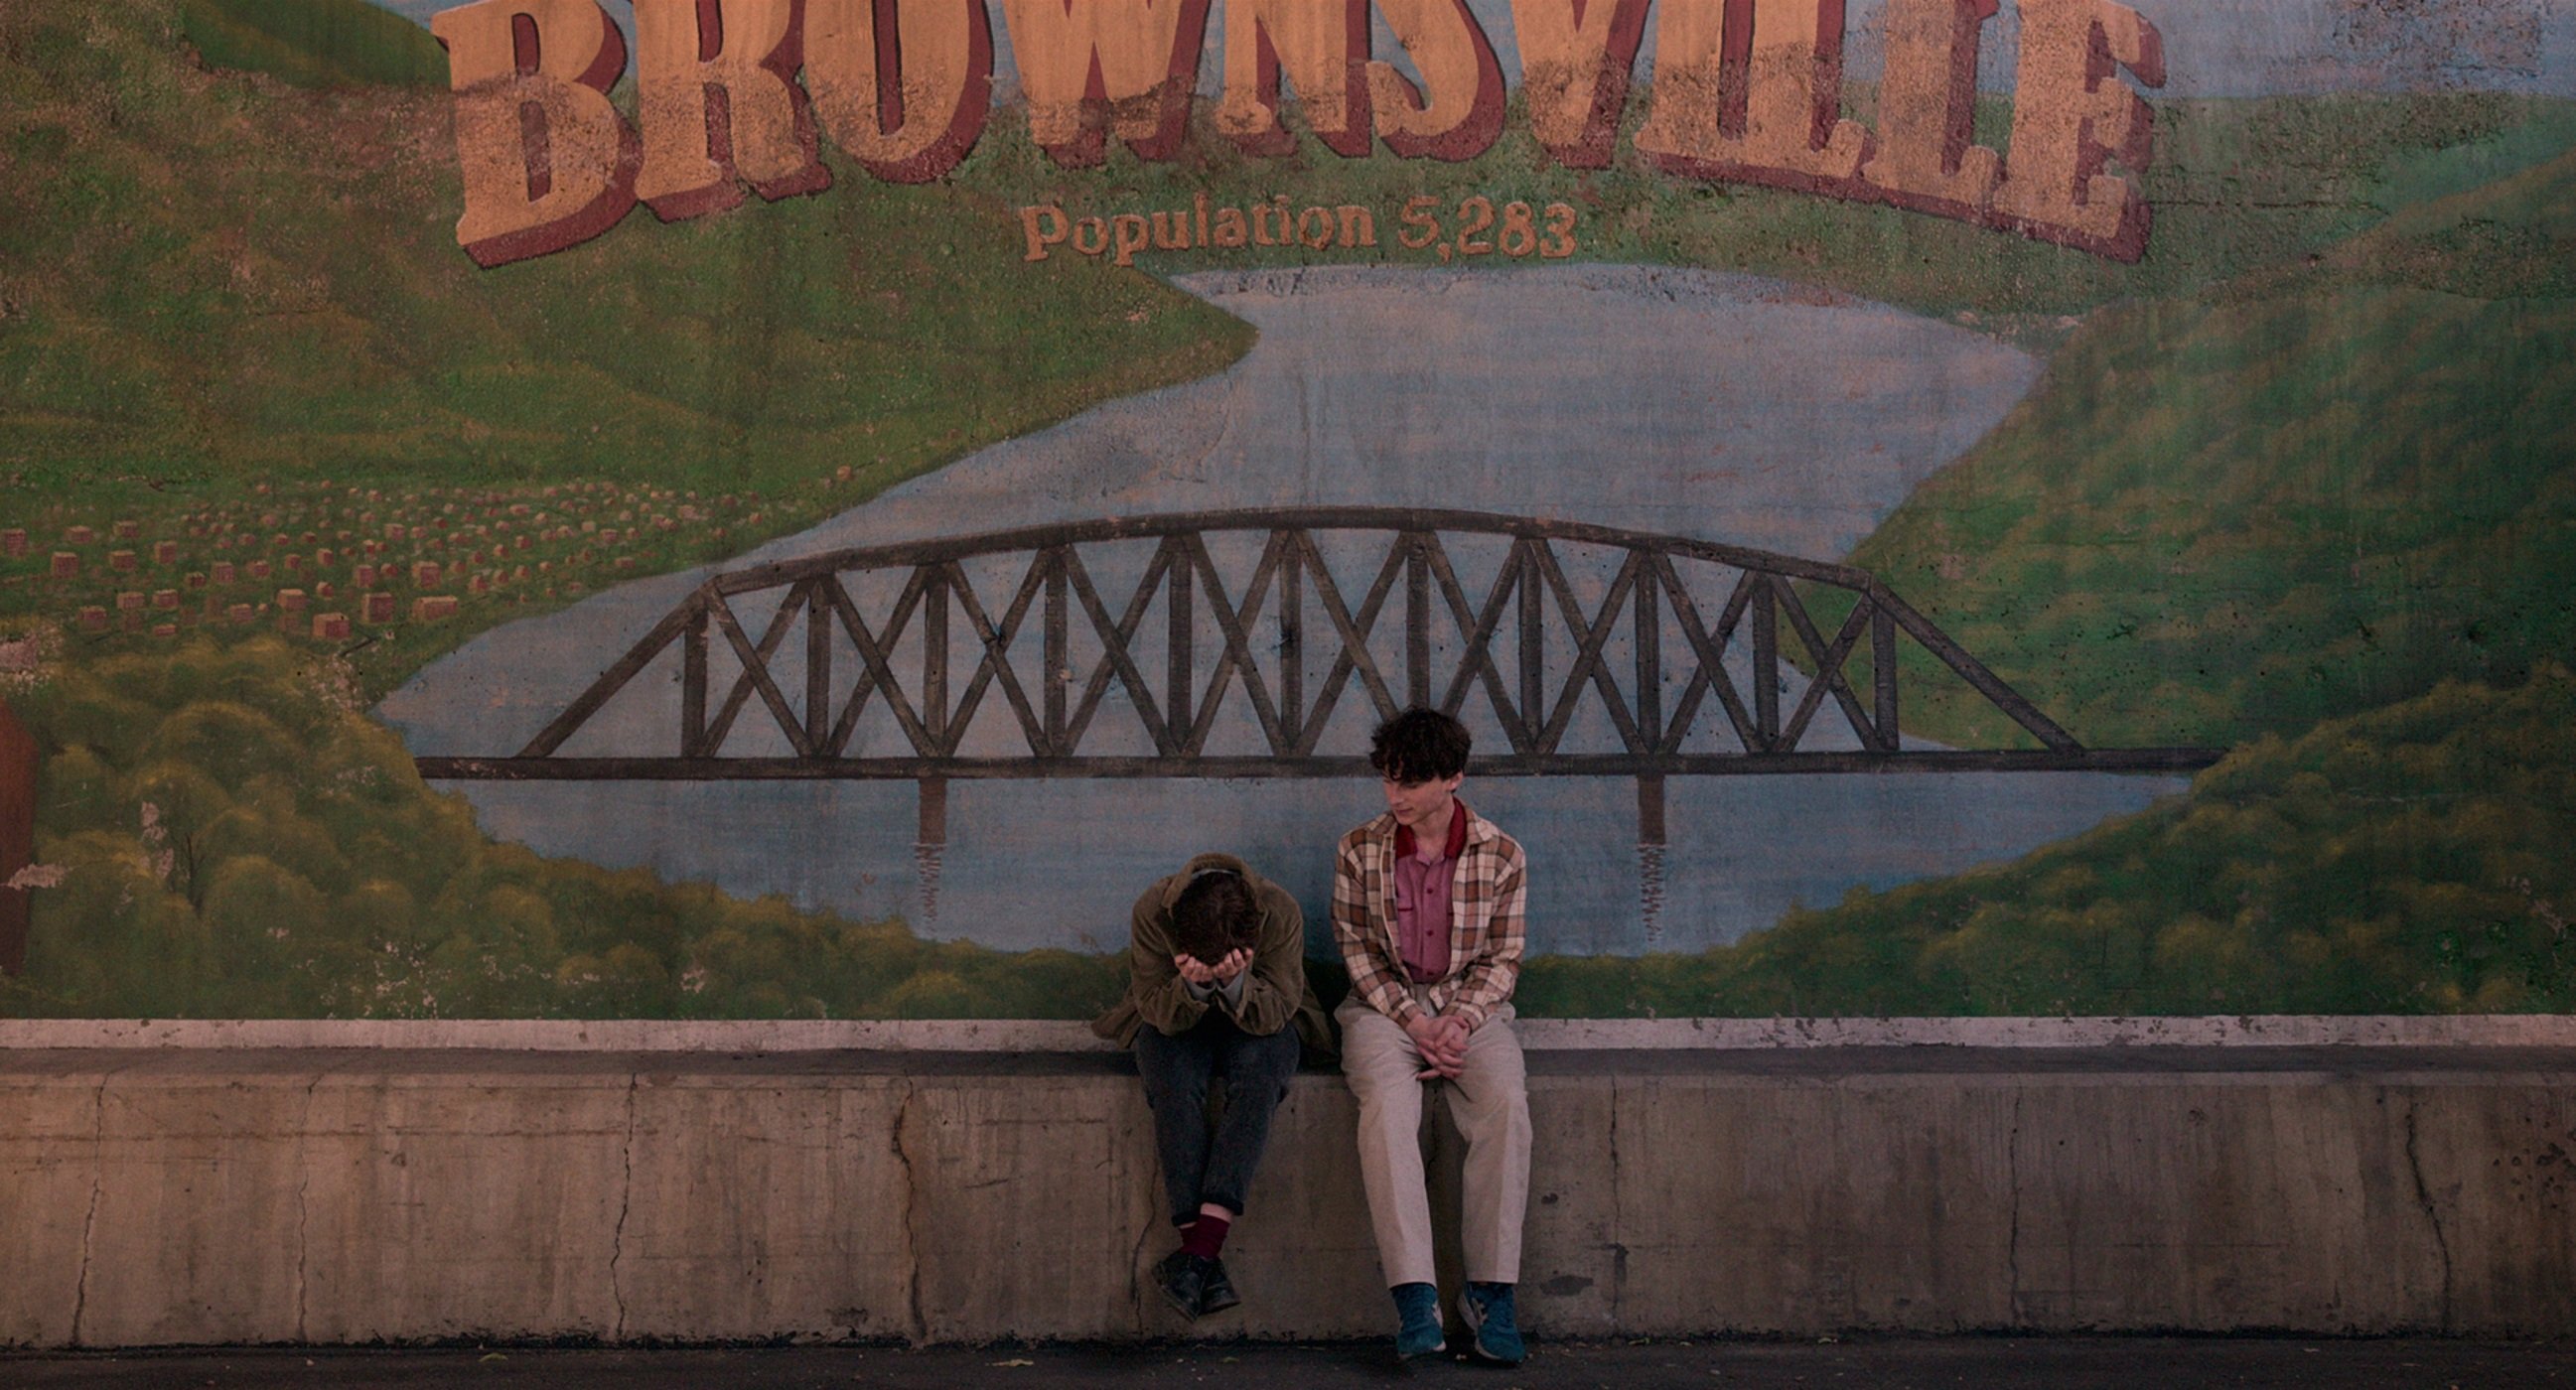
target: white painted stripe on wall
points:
(1034, 1035)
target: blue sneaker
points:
(1487, 1309)
(1419, 1307)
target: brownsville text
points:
(738, 94)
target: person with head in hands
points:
(1216, 989)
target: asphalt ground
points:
(1984, 1363)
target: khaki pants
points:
(1489, 1101)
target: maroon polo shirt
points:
(1422, 899)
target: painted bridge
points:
(1266, 643)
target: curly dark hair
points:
(1214, 915)
(1420, 745)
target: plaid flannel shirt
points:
(1486, 928)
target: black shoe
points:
(1183, 1277)
(1216, 1292)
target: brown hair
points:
(1214, 915)
(1420, 745)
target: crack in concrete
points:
(1135, 1275)
(303, 1210)
(919, 1325)
(2432, 1214)
(1123, 1142)
(1618, 1251)
(625, 1204)
(2012, 1233)
(89, 1223)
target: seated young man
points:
(1427, 911)
(1216, 988)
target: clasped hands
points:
(1442, 1041)
(1204, 975)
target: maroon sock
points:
(1206, 1236)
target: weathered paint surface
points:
(2196, 375)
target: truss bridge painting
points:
(1561, 667)
(1493, 642)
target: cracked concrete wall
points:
(441, 1206)
(49, 1170)
(170, 1198)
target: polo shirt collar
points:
(1404, 842)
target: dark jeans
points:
(1199, 1164)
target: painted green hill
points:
(2319, 489)
(236, 839)
(2409, 860)
(315, 43)
(2326, 512)
(229, 313)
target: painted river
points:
(1669, 401)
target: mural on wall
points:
(1928, 506)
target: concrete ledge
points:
(240, 1195)
(1543, 1034)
